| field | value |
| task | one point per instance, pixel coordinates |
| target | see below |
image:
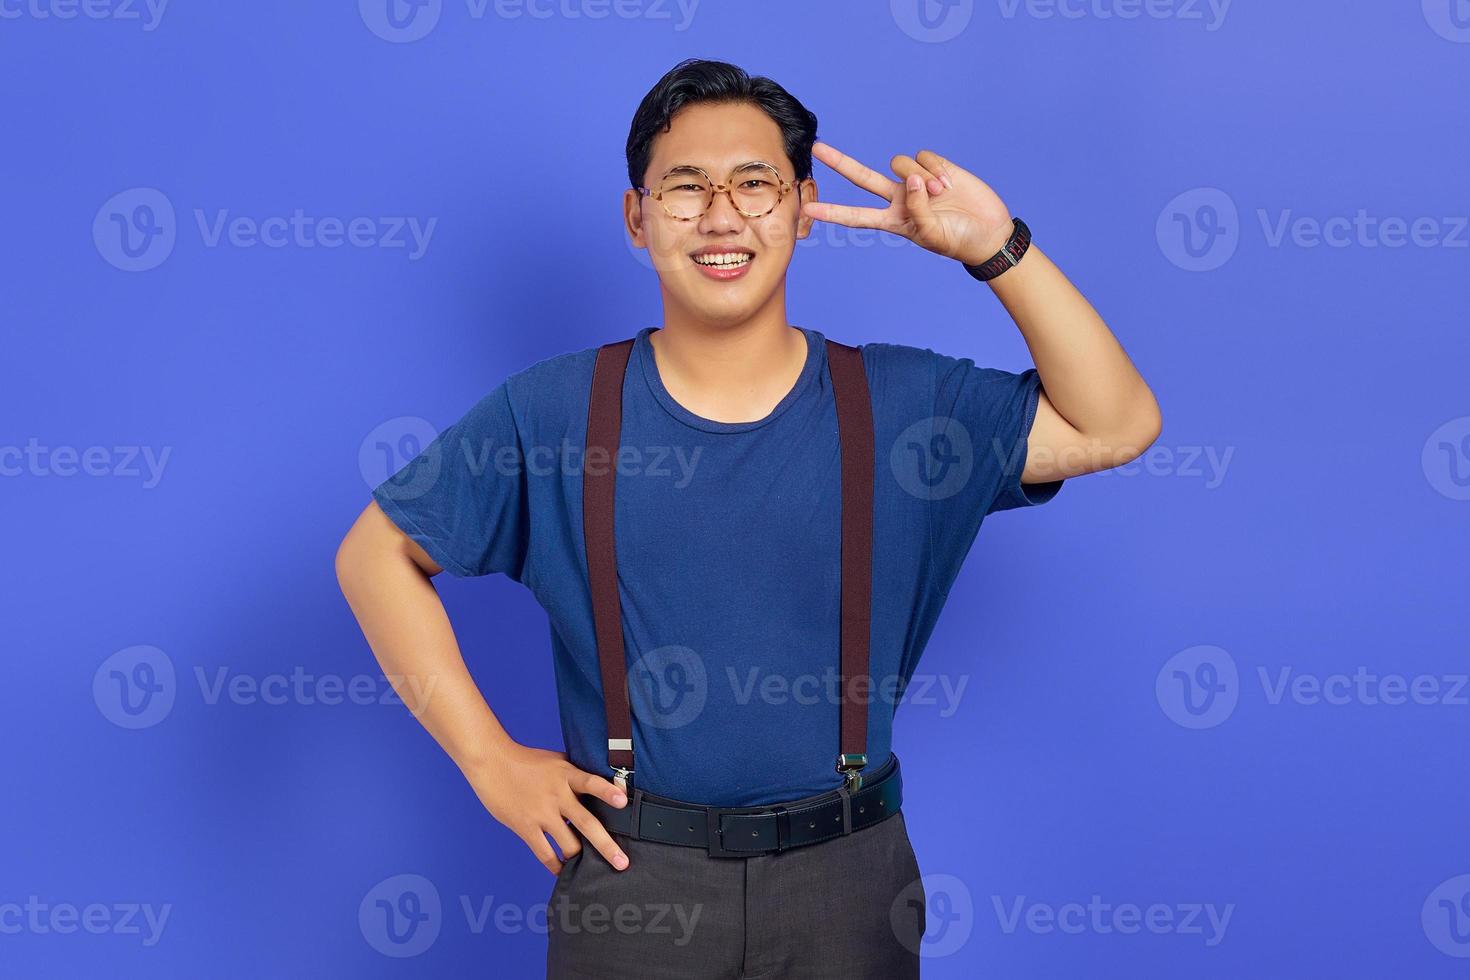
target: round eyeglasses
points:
(687, 192)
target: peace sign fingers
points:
(865, 177)
(843, 214)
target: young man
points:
(785, 508)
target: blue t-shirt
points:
(727, 538)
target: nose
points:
(721, 215)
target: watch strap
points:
(1009, 255)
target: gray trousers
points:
(849, 907)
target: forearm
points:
(408, 629)
(1086, 375)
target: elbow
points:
(350, 561)
(342, 563)
(1145, 424)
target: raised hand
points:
(935, 203)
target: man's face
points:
(718, 138)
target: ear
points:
(808, 190)
(633, 216)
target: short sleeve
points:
(982, 418)
(464, 498)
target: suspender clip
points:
(622, 778)
(850, 766)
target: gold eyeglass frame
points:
(783, 187)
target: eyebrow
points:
(738, 166)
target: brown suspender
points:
(599, 472)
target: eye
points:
(757, 181)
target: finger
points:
(939, 166)
(596, 834)
(916, 200)
(947, 168)
(865, 177)
(906, 166)
(566, 839)
(539, 847)
(582, 781)
(844, 215)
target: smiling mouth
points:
(723, 260)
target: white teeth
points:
(725, 259)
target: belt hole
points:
(862, 809)
(659, 822)
(813, 823)
(880, 802)
(837, 819)
(755, 833)
(691, 829)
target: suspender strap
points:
(855, 434)
(599, 473)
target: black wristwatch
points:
(1008, 256)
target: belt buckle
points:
(715, 838)
(714, 834)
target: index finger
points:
(582, 781)
(865, 177)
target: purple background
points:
(1327, 537)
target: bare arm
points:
(1095, 411)
(385, 576)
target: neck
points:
(729, 372)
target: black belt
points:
(726, 831)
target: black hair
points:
(696, 80)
